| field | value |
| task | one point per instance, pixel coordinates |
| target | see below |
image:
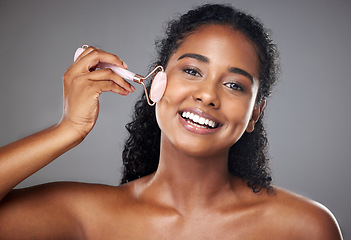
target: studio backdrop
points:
(308, 115)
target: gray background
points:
(307, 116)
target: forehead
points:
(223, 46)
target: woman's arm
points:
(21, 159)
(82, 88)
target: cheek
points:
(238, 115)
(243, 108)
(175, 90)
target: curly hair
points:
(248, 156)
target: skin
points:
(191, 195)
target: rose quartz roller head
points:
(158, 85)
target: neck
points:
(189, 182)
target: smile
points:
(198, 121)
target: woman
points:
(195, 165)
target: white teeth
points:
(201, 120)
(197, 119)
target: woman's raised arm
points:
(83, 85)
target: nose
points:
(207, 93)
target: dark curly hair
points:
(248, 156)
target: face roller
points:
(158, 85)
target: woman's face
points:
(211, 91)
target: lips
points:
(197, 121)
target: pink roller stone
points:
(158, 86)
(78, 52)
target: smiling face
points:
(210, 97)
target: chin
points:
(200, 150)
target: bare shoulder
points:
(72, 197)
(61, 209)
(303, 217)
(68, 192)
(84, 198)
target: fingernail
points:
(124, 92)
(132, 88)
(125, 65)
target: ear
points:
(256, 113)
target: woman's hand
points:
(83, 85)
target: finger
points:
(86, 50)
(93, 56)
(109, 75)
(97, 87)
(80, 53)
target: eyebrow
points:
(242, 72)
(199, 57)
(204, 59)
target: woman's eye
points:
(192, 72)
(234, 86)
